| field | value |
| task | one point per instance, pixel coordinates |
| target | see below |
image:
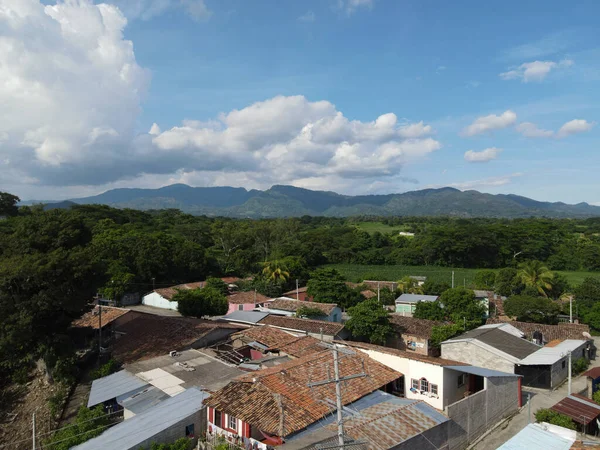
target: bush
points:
(579, 365)
(201, 302)
(105, 370)
(309, 313)
(551, 416)
(56, 401)
(179, 444)
(88, 424)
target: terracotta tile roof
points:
(243, 298)
(274, 338)
(307, 325)
(412, 326)
(302, 346)
(403, 354)
(385, 425)
(550, 332)
(169, 292)
(144, 336)
(585, 445)
(292, 293)
(368, 294)
(372, 284)
(91, 319)
(294, 305)
(279, 401)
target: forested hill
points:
(289, 201)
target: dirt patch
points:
(17, 405)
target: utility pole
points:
(464, 282)
(338, 392)
(297, 290)
(378, 297)
(99, 333)
(153, 287)
(570, 309)
(453, 278)
(569, 372)
(529, 408)
(33, 431)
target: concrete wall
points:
(158, 301)
(214, 336)
(409, 343)
(453, 392)
(473, 354)
(245, 307)
(474, 415)
(176, 431)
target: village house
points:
(289, 307)
(453, 387)
(325, 331)
(412, 334)
(245, 301)
(407, 303)
(298, 294)
(267, 407)
(541, 333)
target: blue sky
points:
(507, 95)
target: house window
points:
(232, 423)
(563, 364)
(415, 384)
(240, 307)
(424, 385)
(189, 431)
(462, 379)
(218, 420)
(434, 389)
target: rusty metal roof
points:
(581, 409)
(592, 373)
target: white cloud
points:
(483, 156)
(154, 130)
(486, 182)
(489, 123)
(535, 70)
(351, 6)
(531, 130)
(308, 16)
(148, 9)
(574, 127)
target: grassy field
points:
(357, 272)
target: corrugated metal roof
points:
(535, 437)
(550, 355)
(581, 409)
(245, 316)
(482, 372)
(506, 327)
(113, 386)
(415, 298)
(594, 373)
(130, 433)
(500, 340)
(141, 401)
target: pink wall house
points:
(245, 301)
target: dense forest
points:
(52, 262)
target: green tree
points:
(369, 320)
(434, 287)
(507, 282)
(441, 333)
(88, 424)
(587, 294)
(408, 285)
(8, 204)
(309, 313)
(535, 274)
(429, 310)
(328, 286)
(550, 416)
(485, 279)
(276, 271)
(460, 304)
(217, 284)
(532, 309)
(591, 316)
(179, 444)
(202, 302)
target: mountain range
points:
(290, 201)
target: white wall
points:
(413, 369)
(158, 301)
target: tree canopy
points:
(206, 301)
(370, 321)
(328, 286)
(536, 275)
(532, 309)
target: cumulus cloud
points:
(148, 9)
(531, 130)
(490, 123)
(351, 6)
(483, 156)
(574, 127)
(535, 70)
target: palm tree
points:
(273, 270)
(535, 274)
(409, 285)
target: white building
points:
(161, 298)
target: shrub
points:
(579, 365)
(56, 401)
(551, 416)
(105, 370)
